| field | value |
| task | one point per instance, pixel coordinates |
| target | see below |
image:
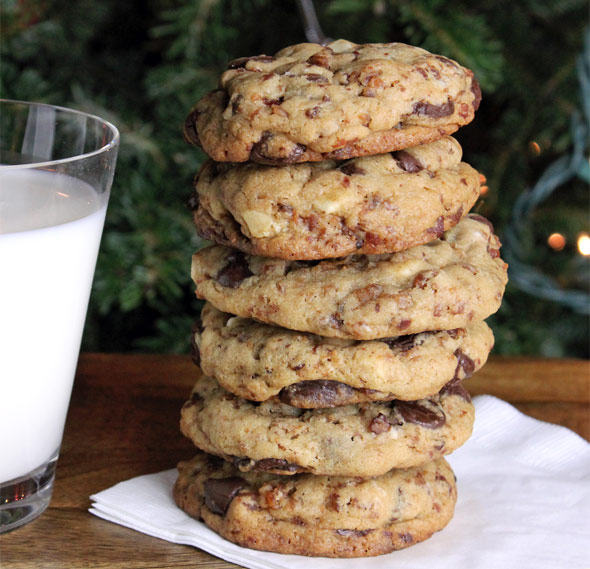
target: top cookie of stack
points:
(376, 117)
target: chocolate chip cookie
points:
(369, 205)
(257, 361)
(311, 103)
(445, 284)
(365, 439)
(323, 516)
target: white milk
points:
(50, 228)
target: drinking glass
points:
(56, 171)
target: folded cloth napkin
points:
(524, 502)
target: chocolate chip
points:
(406, 161)
(351, 169)
(219, 492)
(241, 62)
(235, 271)
(379, 424)
(424, 108)
(317, 394)
(417, 413)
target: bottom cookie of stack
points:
(327, 516)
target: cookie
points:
(445, 284)
(322, 516)
(257, 361)
(311, 103)
(365, 439)
(369, 205)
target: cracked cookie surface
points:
(257, 361)
(366, 439)
(445, 284)
(311, 103)
(323, 516)
(369, 205)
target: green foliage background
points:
(143, 64)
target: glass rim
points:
(113, 143)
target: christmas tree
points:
(142, 65)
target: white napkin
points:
(524, 502)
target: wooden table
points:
(123, 422)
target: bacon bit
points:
(403, 324)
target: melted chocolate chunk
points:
(403, 343)
(235, 104)
(406, 537)
(439, 228)
(465, 363)
(241, 62)
(275, 464)
(379, 424)
(317, 394)
(271, 102)
(419, 414)
(482, 219)
(219, 492)
(455, 387)
(235, 272)
(296, 265)
(351, 168)
(259, 152)
(406, 161)
(424, 108)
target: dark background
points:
(143, 64)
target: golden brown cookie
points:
(257, 361)
(311, 103)
(323, 516)
(445, 284)
(366, 439)
(369, 205)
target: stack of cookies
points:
(346, 297)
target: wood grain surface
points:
(123, 422)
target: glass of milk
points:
(56, 171)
